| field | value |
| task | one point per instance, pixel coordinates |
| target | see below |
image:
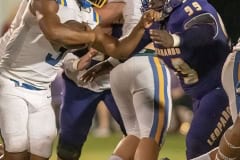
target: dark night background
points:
(230, 13)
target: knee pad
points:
(16, 143)
(42, 146)
(68, 152)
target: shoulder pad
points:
(205, 18)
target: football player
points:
(190, 38)
(32, 55)
(30, 62)
(141, 89)
(80, 99)
(229, 147)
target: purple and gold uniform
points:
(198, 59)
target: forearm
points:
(64, 35)
(120, 49)
(54, 29)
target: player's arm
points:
(203, 27)
(53, 29)
(204, 32)
(122, 48)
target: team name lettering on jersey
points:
(226, 115)
(168, 51)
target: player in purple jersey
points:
(191, 40)
(197, 55)
(229, 147)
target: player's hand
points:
(161, 37)
(149, 17)
(85, 60)
(96, 70)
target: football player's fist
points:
(149, 17)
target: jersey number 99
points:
(190, 9)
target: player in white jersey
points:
(142, 94)
(32, 57)
(29, 65)
(80, 99)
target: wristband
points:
(176, 40)
(114, 62)
(75, 64)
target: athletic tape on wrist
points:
(75, 64)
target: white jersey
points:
(132, 15)
(15, 23)
(28, 55)
(101, 83)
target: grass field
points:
(101, 148)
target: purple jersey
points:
(203, 48)
(198, 62)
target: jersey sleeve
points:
(202, 34)
(202, 28)
(69, 62)
(131, 15)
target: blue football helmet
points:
(166, 6)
